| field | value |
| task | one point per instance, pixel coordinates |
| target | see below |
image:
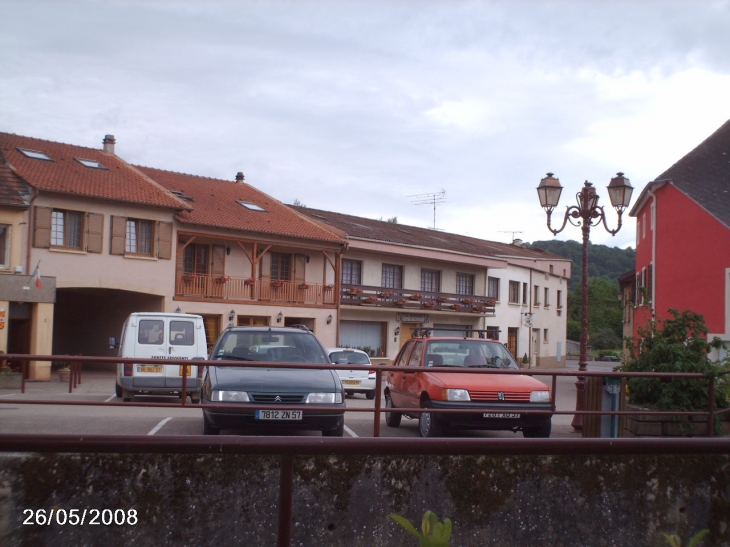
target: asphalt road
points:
(115, 417)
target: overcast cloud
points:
(353, 106)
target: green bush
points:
(677, 344)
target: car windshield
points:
(276, 347)
(349, 358)
(468, 353)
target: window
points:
(514, 292)
(545, 338)
(35, 154)
(151, 331)
(415, 359)
(182, 333)
(537, 296)
(430, 280)
(281, 266)
(493, 333)
(63, 229)
(392, 277)
(560, 299)
(4, 246)
(547, 298)
(351, 272)
(139, 237)
(368, 336)
(464, 284)
(551, 269)
(251, 206)
(66, 229)
(90, 163)
(196, 258)
(493, 287)
(524, 294)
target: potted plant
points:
(188, 277)
(64, 373)
(353, 291)
(250, 281)
(385, 294)
(370, 299)
(416, 296)
(277, 284)
(303, 286)
(676, 344)
(223, 278)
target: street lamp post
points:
(586, 214)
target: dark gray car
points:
(240, 392)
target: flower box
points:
(467, 301)
(249, 282)
(429, 304)
(455, 306)
(415, 297)
(400, 302)
(329, 287)
(303, 286)
(370, 299)
(277, 284)
(222, 279)
(442, 299)
(353, 292)
(385, 294)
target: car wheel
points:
(427, 424)
(338, 432)
(392, 419)
(370, 395)
(195, 398)
(540, 431)
(127, 395)
(208, 428)
(118, 390)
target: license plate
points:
(187, 373)
(351, 382)
(278, 414)
(500, 415)
(150, 369)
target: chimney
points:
(109, 142)
(517, 242)
(239, 177)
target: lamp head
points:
(619, 191)
(549, 191)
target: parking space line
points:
(110, 398)
(12, 394)
(351, 432)
(159, 426)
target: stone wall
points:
(232, 499)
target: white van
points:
(154, 335)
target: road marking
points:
(110, 398)
(351, 432)
(11, 395)
(159, 426)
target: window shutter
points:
(118, 235)
(649, 281)
(164, 240)
(300, 265)
(265, 266)
(94, 232)
(42, 227)
(218, 266)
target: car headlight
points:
(324, 398)
(540, 397)
(456, 395)
(230, 396)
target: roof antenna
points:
(513, 232)
(428, 199)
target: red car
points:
(499, 401)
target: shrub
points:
(677, 344)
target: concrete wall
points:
(231, 499)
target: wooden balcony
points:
(241, 289)
(361, 295)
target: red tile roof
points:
(13, 191)
(401, 234)
(215, 204)
(64, 174)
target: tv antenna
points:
(513, 232)
(429, 199)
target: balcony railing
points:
(243, 289)
(362, 295)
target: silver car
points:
(354, 381)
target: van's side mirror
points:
(113, 344)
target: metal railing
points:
(289, 447)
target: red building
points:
(683, 238)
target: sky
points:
(362, 106)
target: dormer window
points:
(251, 206)
(90, 163)
(181, 195)
(35, 154)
